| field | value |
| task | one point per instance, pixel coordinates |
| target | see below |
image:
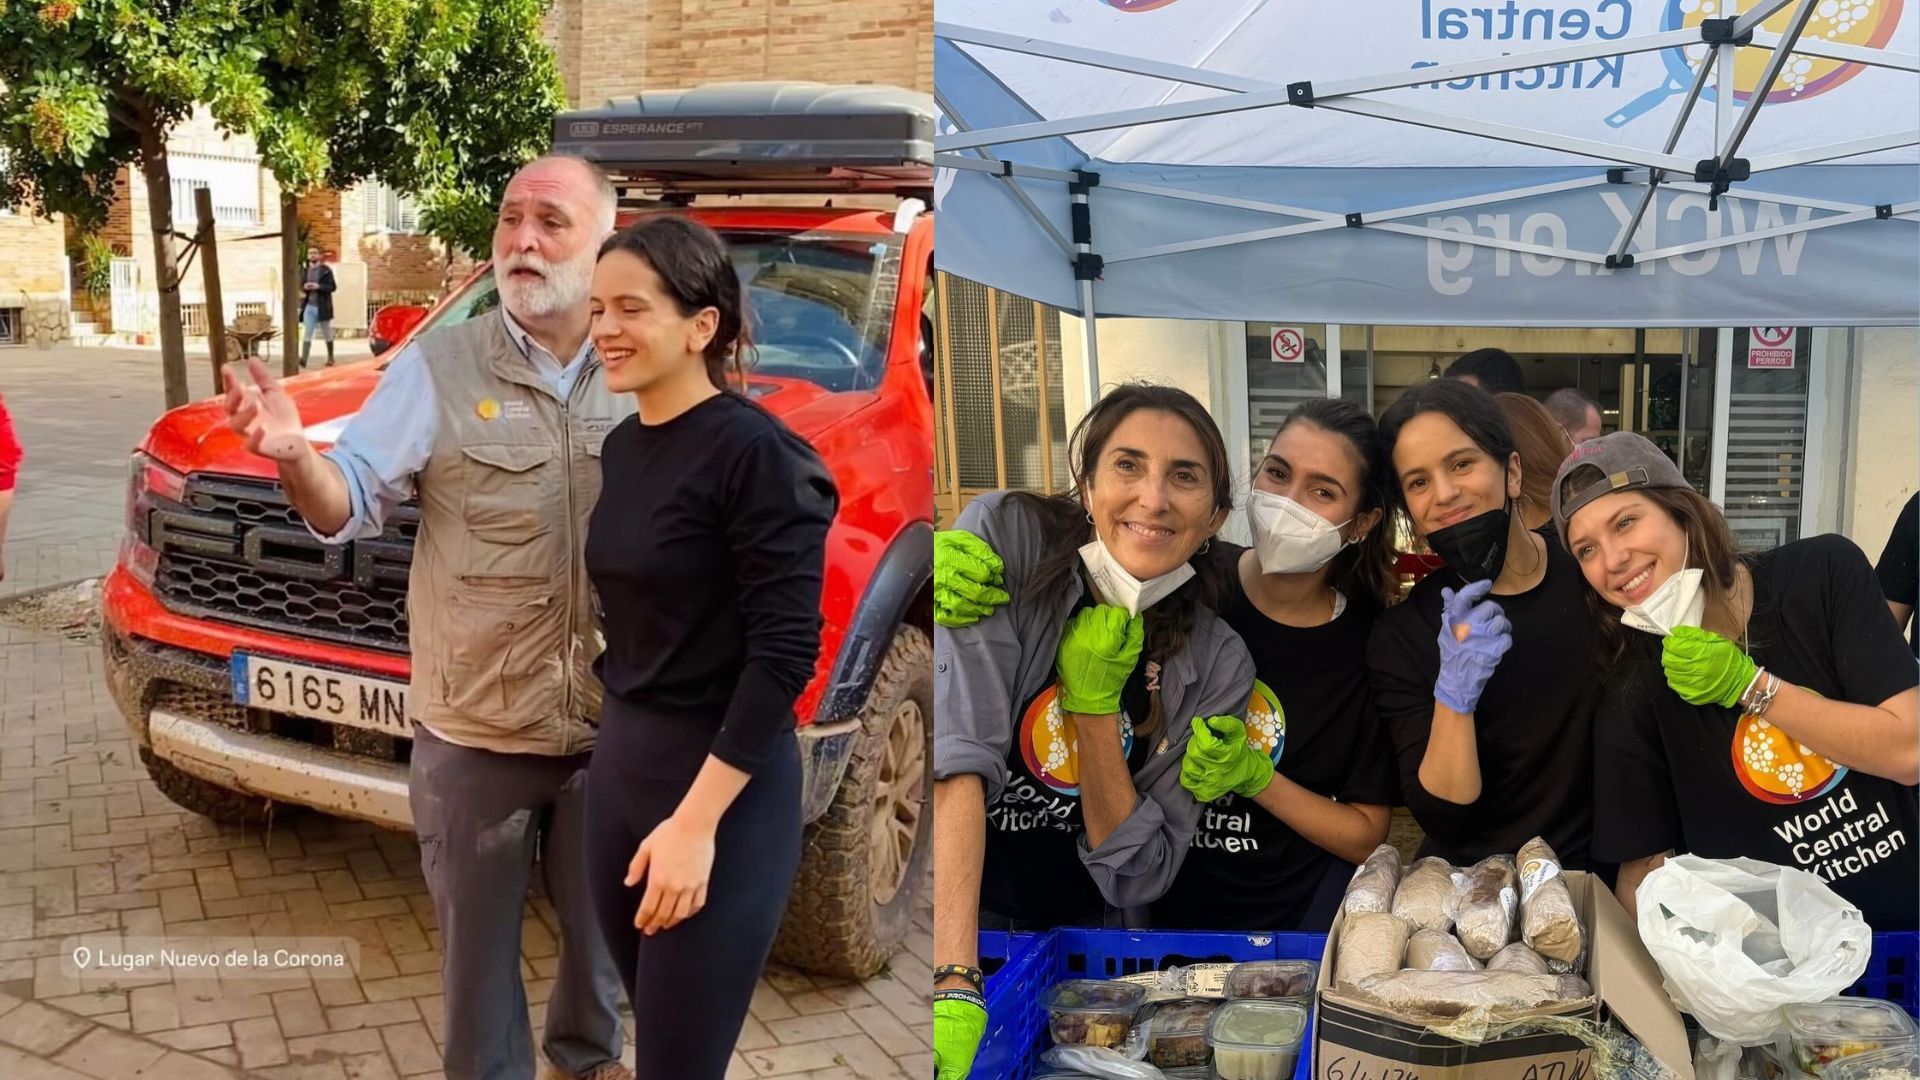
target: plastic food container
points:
(1825, 1033)
(1902, 1063)
(1272, 979)
(1092, 1012)
(1177, 1033)
(1256, 1039)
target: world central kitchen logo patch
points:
(1050, 746)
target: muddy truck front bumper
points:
(179, 704)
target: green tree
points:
(440, 98)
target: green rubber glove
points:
(1098, 650)
(958, 1027)
(1220, 760)
(1705, 668)
(965, 573)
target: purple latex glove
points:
(1466, 664)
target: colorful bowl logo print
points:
(1266, 721)
(1051, 747)
(1774, 767)
(1867, 23)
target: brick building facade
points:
(33, 279)
(612, 48)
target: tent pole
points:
(1086, 269)
(1852, 54)
(1654, 176)
(1775, 63)
(1005, 175)
(1091, 337)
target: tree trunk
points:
(203, 233)
(291, 275)
(153, 166)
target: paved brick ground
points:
(88, 847)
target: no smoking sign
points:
(1289, 345)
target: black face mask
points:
(1477, 547)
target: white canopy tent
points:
(1582, 163)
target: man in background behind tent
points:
(1576, 413)
(1492, 370)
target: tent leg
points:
(1089, 327)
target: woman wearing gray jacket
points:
(1062, 717)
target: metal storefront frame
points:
(998, 395)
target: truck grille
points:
(236, 551)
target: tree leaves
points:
(441, 99)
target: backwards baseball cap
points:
(1622, 461)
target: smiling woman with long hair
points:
(1486, 674)
(1761, 705)
(706, 552)
(1061, 717)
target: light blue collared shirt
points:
(386, 444)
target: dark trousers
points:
(689, 985)
(482, 817)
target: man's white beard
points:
(561, 286)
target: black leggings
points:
(689, 986)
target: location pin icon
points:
(82, 956)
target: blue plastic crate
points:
(999, 951)
(1016, 994)
(1894, 972)
(1016, 1003)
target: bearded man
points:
(495, 424)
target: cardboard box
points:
(1356, 1040)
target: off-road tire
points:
(209, 800)
(832, 924)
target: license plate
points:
(263, 682)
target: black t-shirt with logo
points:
(1313, 711)
(1713, 782)
(1032, 872)
(1533, 727)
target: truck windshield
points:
(820, 305)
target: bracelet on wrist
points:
(1746, 696)
(973, 975)
(971, 997)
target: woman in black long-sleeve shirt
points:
(706, 550)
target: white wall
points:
(1884, 443)
(1206, 359)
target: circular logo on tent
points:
(1862, 23)
(1137, 5)
(1051, 747)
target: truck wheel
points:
(863, 863)
(209, 800)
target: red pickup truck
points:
(257, 666)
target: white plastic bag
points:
(1737, 939)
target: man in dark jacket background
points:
(316, 307)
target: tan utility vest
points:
(499, 608)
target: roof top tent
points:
(1585, 163)
(759, 138)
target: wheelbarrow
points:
(247, 332)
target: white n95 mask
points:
(1680, 600)
(1288, 537)
(1115, 586)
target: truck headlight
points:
(149, 480)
